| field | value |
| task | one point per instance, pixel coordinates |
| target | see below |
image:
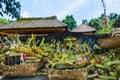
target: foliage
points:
(106, 65)
(13, 44)
(84, 21)
(10, 8)
(113, 16)
(107, 29)
(56, 52)
(95, 23)
(73, 52)
(70, 53)
(70, 21)
(4, 21)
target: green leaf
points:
(107, 77)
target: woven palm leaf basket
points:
(27, 69)
(22, 70)
(108, 43)
(68, 74)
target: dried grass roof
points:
(83, 28)
(1, 24)
(34, 22)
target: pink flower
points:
(22, 57)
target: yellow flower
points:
(92, 61)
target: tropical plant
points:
(97, 23)
(10, 8)
(107, 29)
(70, 21)
(84, 21)
(113, 16)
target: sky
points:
(80, 9)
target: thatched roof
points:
(115, 32)
(1, 24)
(83, 28)
(25, 23)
